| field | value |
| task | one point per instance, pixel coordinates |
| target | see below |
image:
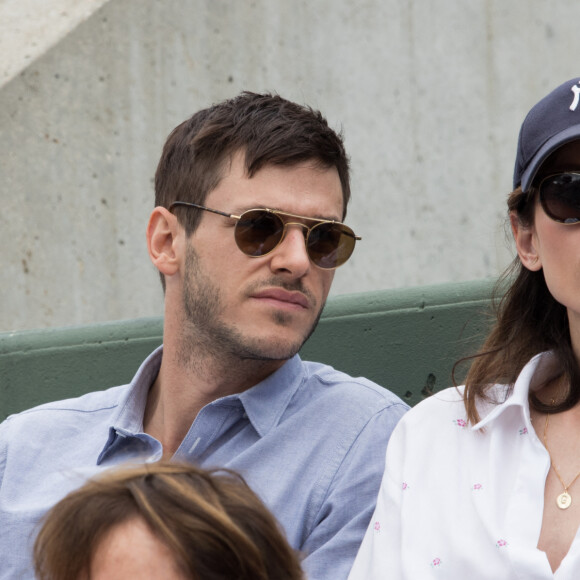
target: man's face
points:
(263, 307)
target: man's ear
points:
(526, 243)
(164, 239)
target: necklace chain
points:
(564, 500)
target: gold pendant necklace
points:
(564, 500)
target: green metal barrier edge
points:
(404, 339)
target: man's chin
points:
(273, 348)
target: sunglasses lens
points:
(258, 232)
(330, 245)
(560, 197)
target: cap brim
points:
(570, 134)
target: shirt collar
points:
(266, 402)
(536, 372)
(132, 408)
(128, 421)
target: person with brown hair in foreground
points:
(163, 520)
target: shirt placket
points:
(528, 490)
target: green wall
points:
(406, 340)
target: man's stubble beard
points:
(205, 335)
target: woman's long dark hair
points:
(529, 321)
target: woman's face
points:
(552, 246)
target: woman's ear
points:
(526, 243)
(164, 240)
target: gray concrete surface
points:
(430, 96)
(31, 27)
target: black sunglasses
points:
(259, 231)
(560, 197)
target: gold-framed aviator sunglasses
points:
(260, 231)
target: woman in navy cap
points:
(483, 481)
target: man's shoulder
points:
(340, 386)
(93, 402)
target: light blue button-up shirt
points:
(309, 440)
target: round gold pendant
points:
(564, 500)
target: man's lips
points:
(281, 298)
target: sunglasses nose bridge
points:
(303, 226)
(305, 231)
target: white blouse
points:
(460, 502)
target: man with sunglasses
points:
(247, 232)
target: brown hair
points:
(528, 321)
(268, 128)
(212, 522)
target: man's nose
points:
(291, 255)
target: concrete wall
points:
(430, 96)
(32, 27)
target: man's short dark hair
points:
(269, 130)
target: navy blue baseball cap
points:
(551, 123)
